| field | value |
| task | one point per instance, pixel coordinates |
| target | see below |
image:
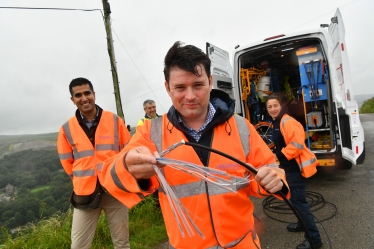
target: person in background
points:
(288, 137)
(150, 111)
(84, 142)
(204, 116)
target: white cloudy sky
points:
(41, 51)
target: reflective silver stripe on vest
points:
(243, 133)
(65, 156)
(118, 182)
(115, 145)
(100, 147)
(156, 133)
(76, 155)
(81, 173)
(99, 166)
(308, 162)
(285, 120)
(297, 145)
(235, 242)
(212, 247)
(197, 188)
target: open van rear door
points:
(221, 70)
(350, 129)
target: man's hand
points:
(269, 179)
(139, 162)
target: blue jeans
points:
(296, 182)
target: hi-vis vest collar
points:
(156, 135)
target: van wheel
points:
(344, 164)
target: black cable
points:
(253, 170)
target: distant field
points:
(14, 143)
(28, 137)
(35, 190)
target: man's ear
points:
(167, 87)
(210, 82)
(72, 100)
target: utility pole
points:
(112, 58)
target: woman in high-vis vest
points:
(204, 116)
(289, 139)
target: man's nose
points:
(190, 93)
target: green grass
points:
(146, 225)
(367, 106)
(35, 190)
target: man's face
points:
(84, 99)
(190, 93)
(150, 109)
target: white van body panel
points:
(343, 87)
(221, 70)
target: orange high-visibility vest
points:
(225, 218)
(81, 161)
(294, 137)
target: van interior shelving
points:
(298, 69)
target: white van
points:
(312, 68)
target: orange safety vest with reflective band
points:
(294, 137)
(81, 161)
(225, 218)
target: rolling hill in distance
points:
(362, 98)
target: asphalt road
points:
(348, 198)
(343, 199)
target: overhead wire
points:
(102, 14)
(152, 91)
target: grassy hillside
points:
(146, 225)
(14, 143)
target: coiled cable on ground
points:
(278, 210)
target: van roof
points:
(284, 36)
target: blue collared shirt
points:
(197, 134)
(90, 123)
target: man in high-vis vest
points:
(84, 142)
(204, 116)
(149, 107)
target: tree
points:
(19, 218)
(7, 215)
(42, 177)
(29, 216)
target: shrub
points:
(368, 106)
